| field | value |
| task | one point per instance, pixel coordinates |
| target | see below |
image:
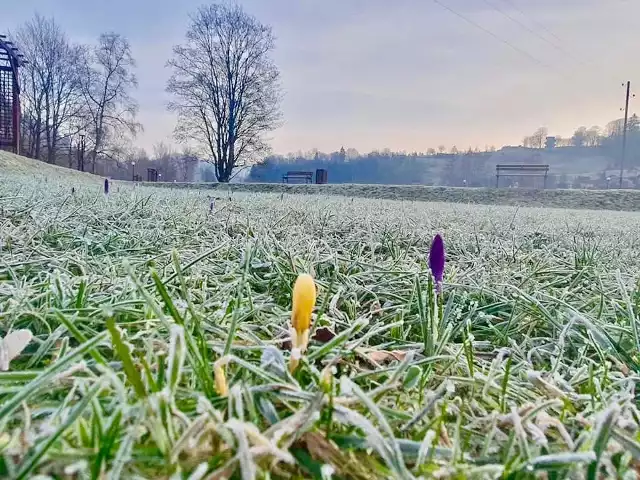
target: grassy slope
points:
(11, 164)
(529, 367)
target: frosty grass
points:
(527, 371)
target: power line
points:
(577, 59)
(531, 31)
(515, 47)
(489, 32)
(535, 22)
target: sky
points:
(400, 74)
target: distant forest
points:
(588, 157)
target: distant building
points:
(550, 143)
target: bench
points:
(522, 170)
(306, 176)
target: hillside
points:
(11, 164)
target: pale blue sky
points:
(401, 74)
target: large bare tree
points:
(51, 86)
(107, 84)
(226, 87)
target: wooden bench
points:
(306, 176)
(522, 170)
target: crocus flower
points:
(220, 378)
(304, 299)
(436, 260)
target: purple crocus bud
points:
(106, 186)
(436, 260)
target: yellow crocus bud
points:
(304, 299)
(221, 379)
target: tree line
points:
(79, 108)
(596, 136)
(75, 96)
(453, 167)
(380, 167)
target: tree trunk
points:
(51, 154)
(38, 139)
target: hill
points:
(11, 164)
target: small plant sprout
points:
(12, 345)
(327, 377)
(436, 261)
(304, 299)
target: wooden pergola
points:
(10, 61)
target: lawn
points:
(524, 367)
(615, 200)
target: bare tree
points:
(186, 165)
(32, 111)
(537, 140)
(593, 137)
(51, 85)
(579, 137)
(615, 128)
(226, 87)
(352, 153)
(163, 161)
(107, 84)
(162, 151)
(173, 165)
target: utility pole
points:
(624, 132)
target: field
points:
(525, 367)
(615, 200)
